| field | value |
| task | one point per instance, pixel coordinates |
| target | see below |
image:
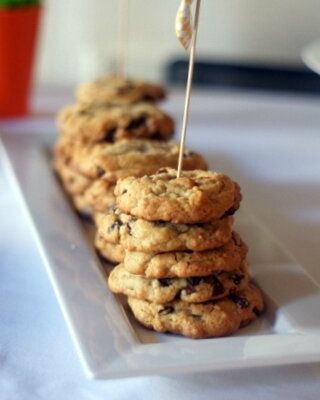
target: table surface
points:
(270, 144)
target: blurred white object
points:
(311, 56)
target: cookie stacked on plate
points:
(114, 130)
(182, 267)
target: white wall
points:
(79, 37)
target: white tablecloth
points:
(271, 145)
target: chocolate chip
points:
(198, 225)
(188, 153)
(192, 283)
(115, 225)
(157, 136)
(100, 172)
(137, 123)
(178, 295)
(162, 171)
(217, 287)
(242, 302)
(166, 310)
(129, 228)
(231, 211)
(195, 316)
(124, 191)
(160, 223)
(236, 278)
(148, 97)
(109, 136)
(165, 282)
(189, 289)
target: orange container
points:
(18, 32)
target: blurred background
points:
(241, 43)
(78, 38)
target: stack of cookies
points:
(184, 269)
(180, 263)
(107, 110)
(114, 130)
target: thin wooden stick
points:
(123, 33)
(189, 87)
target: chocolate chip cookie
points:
(117, 90)
(187, 264)
(137, 234)
(201, 320)
(192, 290)
(93, 124)
(197, 196)
(124, 158)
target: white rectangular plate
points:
(109, 341)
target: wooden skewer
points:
(189, 87)
(123, 33)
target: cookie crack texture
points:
(196, 197)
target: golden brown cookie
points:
(93, 124)
(201, 320)
(192, 290)
(117, 90)
(197, 196)
(187, 264)
(137, 234)
(129, 158)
